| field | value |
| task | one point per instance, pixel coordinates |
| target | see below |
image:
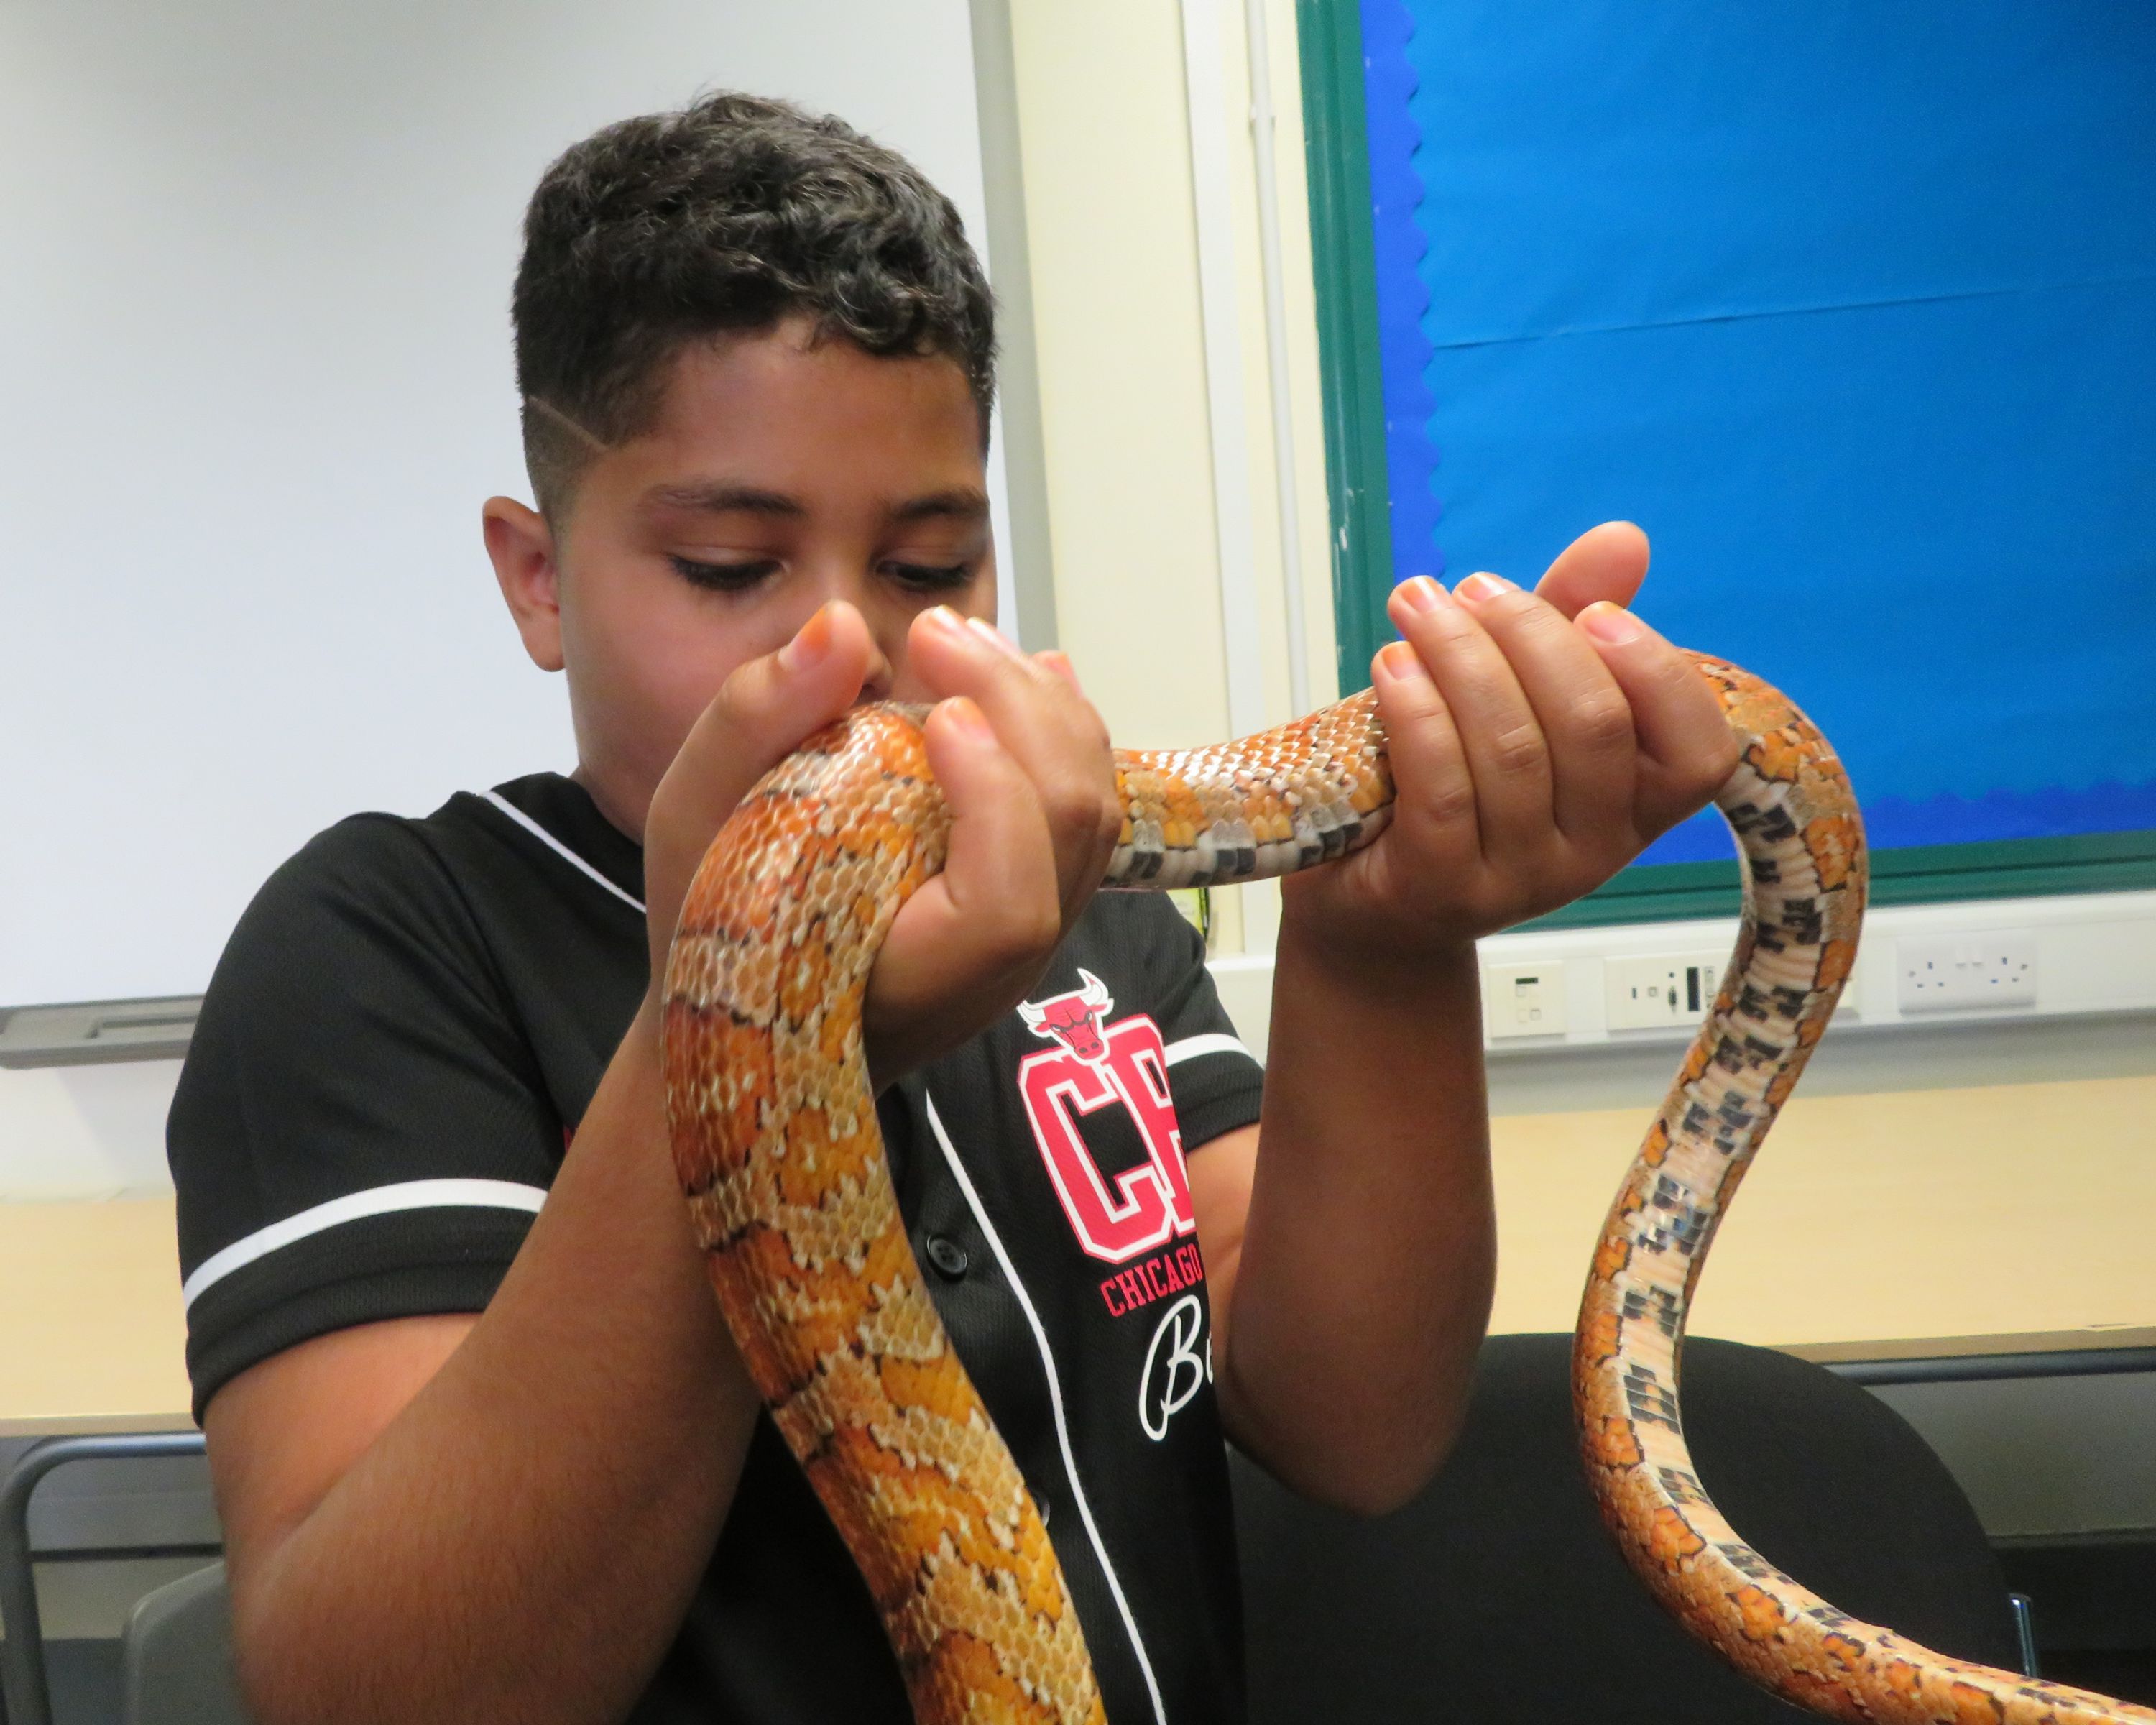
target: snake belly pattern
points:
(776, 1147)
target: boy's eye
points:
(930, 578)
(724, 577)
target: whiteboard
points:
(255, 262)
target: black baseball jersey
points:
(397, 1047)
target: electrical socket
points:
(1946, 972)
(1669, 988)
(1522, 1000)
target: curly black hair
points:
(731, 214)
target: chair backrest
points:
(176, 1656)
(1497, 1594)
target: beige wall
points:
(1120, 348)
(1127, 404)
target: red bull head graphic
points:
(1073, 1020)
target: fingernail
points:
(810, 644)
(945, 622)
(1612, 624)
(967, 717)
(1480, 589)
(1422, 593)
(1401, 663)
(994, 637)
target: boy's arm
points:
(1370, 1287)
(504, 1516)
(501, 1517)
(1352, 1261)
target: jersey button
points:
(948, 1257)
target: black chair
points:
(1497, 1596)
(175, 1653)
(176, 1656)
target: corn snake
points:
(776, 1147)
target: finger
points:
(1048, 727)
(1508, 756)
(1686, 750)
(768, 705)
(973, 938)
(1061, 665)
(1580, 707)
(1435, 807)
(1605, 563)
(759, 716)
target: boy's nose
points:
(877, 684)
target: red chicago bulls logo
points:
(1097, 1066)
(1073, 1020)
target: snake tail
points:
(1802, 847)
(778, 1151)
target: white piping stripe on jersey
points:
(1055, 1402)
(1212, 1042)
(379, 1201)
(559, 848)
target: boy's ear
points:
(521, 545)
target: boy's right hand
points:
(1024, 764)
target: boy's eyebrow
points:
(962, 501)
(717, 497)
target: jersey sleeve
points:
(360, 1131)
(1216, 1079)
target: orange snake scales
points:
(776, 1142)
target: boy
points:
(478, 1465)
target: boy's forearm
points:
(521, 1540)
(1362, 1289)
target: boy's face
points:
(777, 476)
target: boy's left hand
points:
(1538, 741)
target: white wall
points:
(85, 1131)
(253, 330)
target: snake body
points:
(776, 1145)
(1795, 818)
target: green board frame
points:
(1329, 38)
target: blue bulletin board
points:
(1852, 307)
